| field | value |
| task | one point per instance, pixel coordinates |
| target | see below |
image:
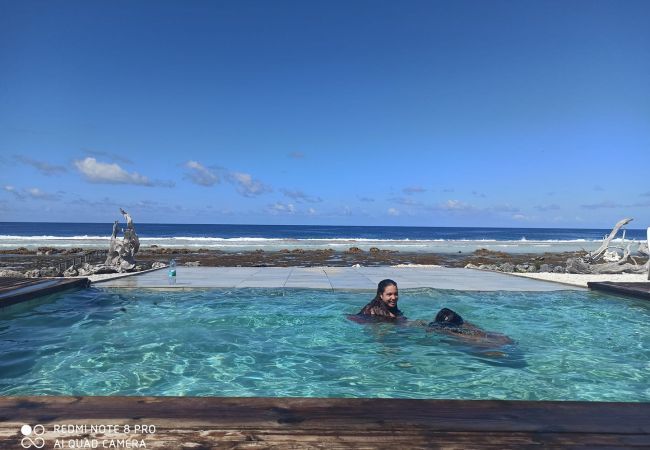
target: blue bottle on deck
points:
(172, 271)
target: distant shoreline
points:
(276, 238)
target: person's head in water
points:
(447, 318)
(387, 293)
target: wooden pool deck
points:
(16, 290)
(638, 290)
(209, 422)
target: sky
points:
(410, 113)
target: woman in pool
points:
(384, 308)
(384, 305)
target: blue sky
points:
(427, 113)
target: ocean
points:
(237, 238)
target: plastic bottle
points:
(172, 271)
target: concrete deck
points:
(333, 278)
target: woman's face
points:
(390, 295)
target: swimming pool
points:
(570, 345)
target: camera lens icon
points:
(32, 436)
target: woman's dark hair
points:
(447, 318)
(381, 287)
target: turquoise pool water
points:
(570, 345)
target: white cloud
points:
(42, 166)
(311, 211)
(300, 196)
(604, 204)
(393, 212)
(201, 175)
(246, 185)
(413, 190)
(520, 217)
(101, 204)
(506, 207)
(107, 155)
(282, 208)
(543, 208)
(14, 191)
(98, 172)
(406, 201)
(34, 193)
(136, 207)
(456, 205)
(209, 176)
(38, 194)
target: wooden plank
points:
(638, 290)
(210, 437)
(16, 290)
(183, 422)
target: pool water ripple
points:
(569, 345)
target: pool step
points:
(16, 290)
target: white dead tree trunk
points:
(121, 253)
(595, 255)
(591, 262)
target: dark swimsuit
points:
(377, 310)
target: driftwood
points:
(578, 265)
(645, 249)
(121, 252)
(592, 263)
(595, 255)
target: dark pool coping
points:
(17, 290)
(637, 290)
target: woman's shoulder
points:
(370, 308)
